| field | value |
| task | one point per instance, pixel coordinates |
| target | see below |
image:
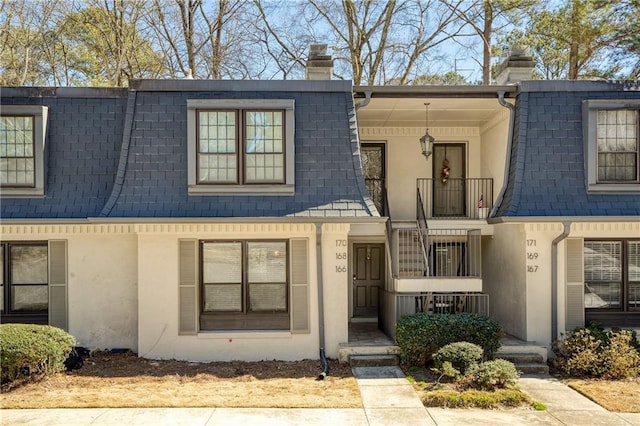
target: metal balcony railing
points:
(468, 198)
(441, 303)
(437, 253)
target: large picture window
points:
(24, 295)
(244, 285)
(612, 275)
(241, 146)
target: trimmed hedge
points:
(420, 335)
(32, 350)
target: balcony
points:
(436, 259)
(459, 199)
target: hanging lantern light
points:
(426, 141)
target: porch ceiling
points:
(443, 112)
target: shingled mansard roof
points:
(547, 169)
(122, 153)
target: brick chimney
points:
(517, 67)
(319, 64)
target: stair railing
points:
(390, 239)
(423, 231)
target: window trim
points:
(245, 315)
(286, 188)
(40, 115)
(590, 110)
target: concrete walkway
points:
(388, 399)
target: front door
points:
(449, 180)
(372, 155)
(368, 278)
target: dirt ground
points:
(124, 380)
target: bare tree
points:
(193, 35)
(373, 42)
(22, 27)
(485, 18)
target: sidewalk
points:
(388, 399)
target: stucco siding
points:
(103, 293)
(503, 270)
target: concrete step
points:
(345, 351)
(522, 358)
(373, 360)
(532, 368)
(526, 362)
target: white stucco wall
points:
(503, 273)
(538, 241)
(493, 152)
(102, 292)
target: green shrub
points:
(492, 375)
(460, 355)
(592, 353)
(420, 335)
(32, 350)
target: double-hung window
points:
(612, 149)
(244, 285)
(24, 291)
(238, 146)
(22, 132)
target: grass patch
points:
(500, 398)
(622, 396)
(539, 406)
(124, 380)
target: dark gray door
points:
(373, 166)
(368, 278)
(449, 180)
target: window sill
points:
(613, 188)
(22, 192)
(241, 190)
(244, 334)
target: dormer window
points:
(22, 133)
(241, 146)
(612, 150)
